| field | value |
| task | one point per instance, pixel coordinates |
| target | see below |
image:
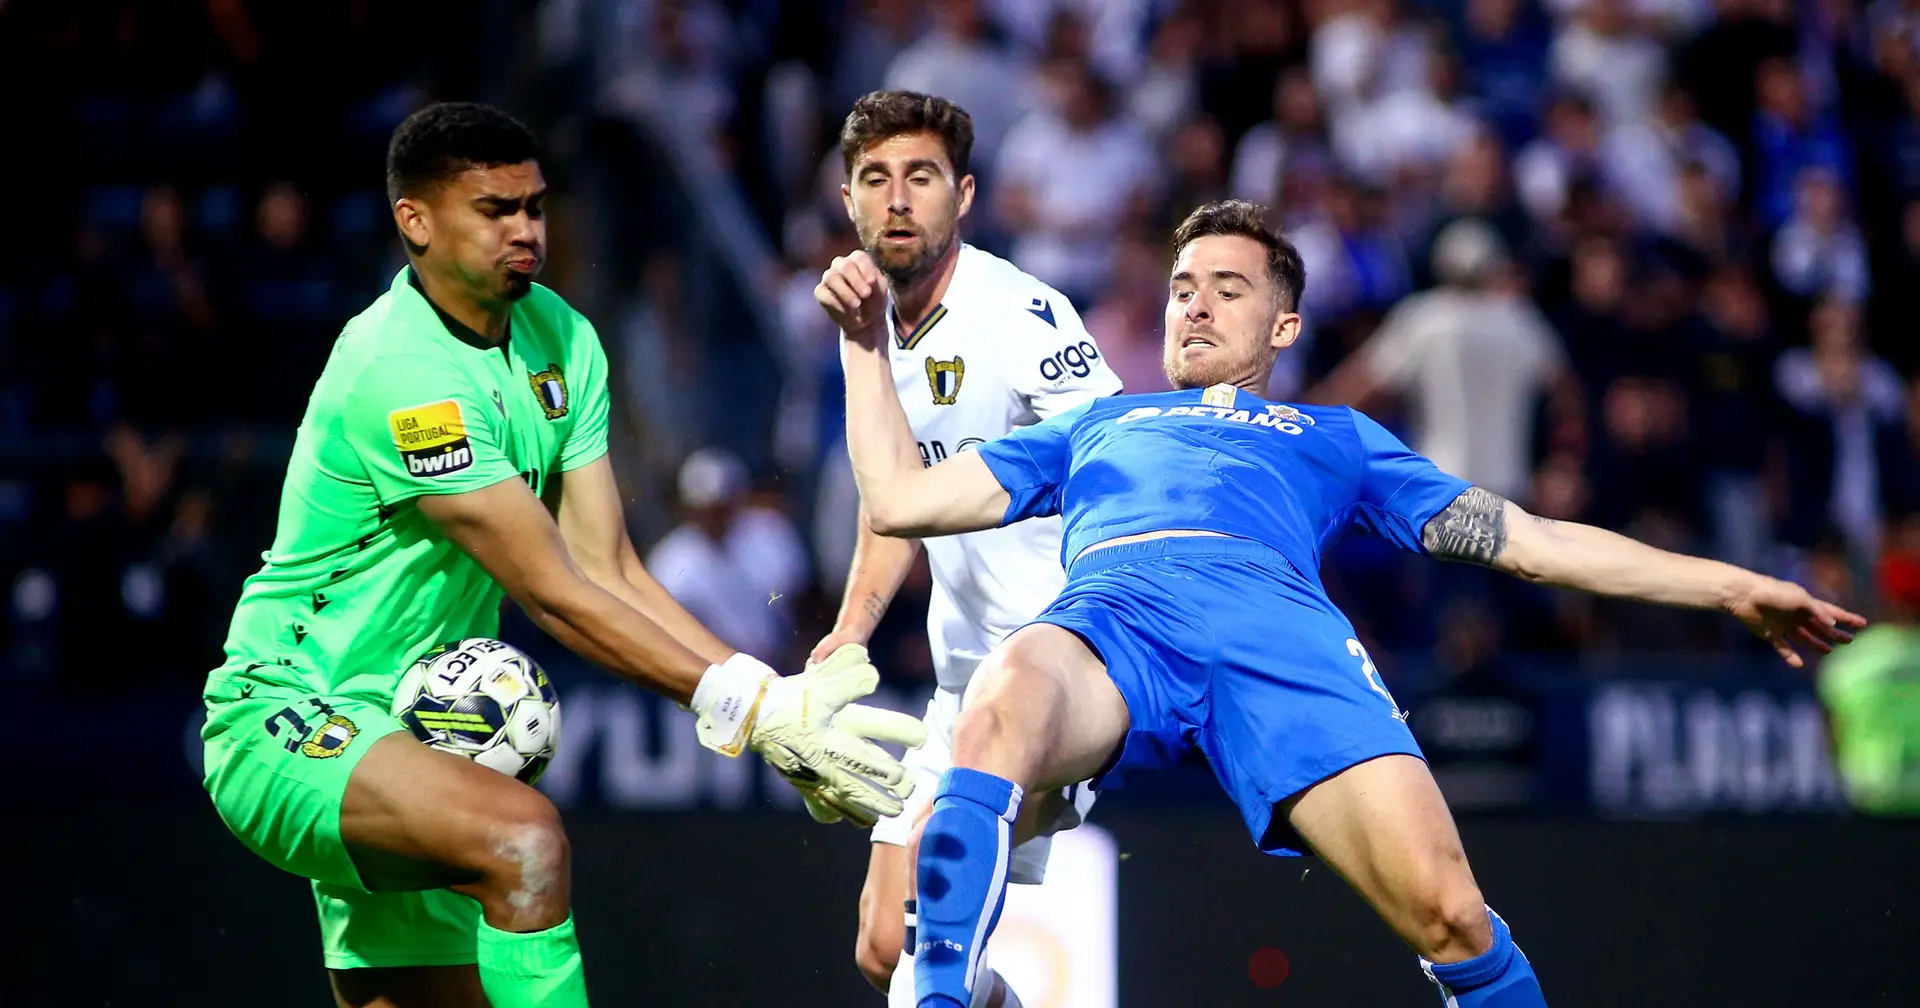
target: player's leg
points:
(882, 914)
(408, 987)
(413, 818)
(990, 989)
(1384, 827)
(1041, 713)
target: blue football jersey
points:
(1219, 460)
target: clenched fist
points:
(854, 293)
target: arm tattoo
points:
(875, 606)
(1473, 529)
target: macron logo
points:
(1044, 311)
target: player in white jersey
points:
(978, 348)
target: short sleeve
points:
(1057, 365)
(1031, 464)
(587, 441)
(420, 425)
(1399, 490)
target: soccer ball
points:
(485, 700)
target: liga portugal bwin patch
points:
(432, 439)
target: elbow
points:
(1531, 566)
(889, 519)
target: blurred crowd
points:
(1642, 263)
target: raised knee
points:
(991, 709)
(1452, 926)
(525, 847)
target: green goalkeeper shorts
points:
(277, 768)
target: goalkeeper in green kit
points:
(455, 447)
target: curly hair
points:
(441, 141)
(883, 114)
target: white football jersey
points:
(1001, 350)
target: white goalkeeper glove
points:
(810, 729)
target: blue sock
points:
(1501, 977)
(962, 877)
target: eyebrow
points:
(1219, 274)
(917, 164)
(498, 200)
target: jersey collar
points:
(457, 329)
(909, 340)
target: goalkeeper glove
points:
(810, 729)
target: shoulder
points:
(548, 310)
(1012, 302)
(386, 346)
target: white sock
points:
(983, 992)
(900, 988)
(985, 980)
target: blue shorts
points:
(1219, 646)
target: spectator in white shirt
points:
(1818, 252)
(1643, 160)
(1603, 54)
(736, 567)
(1070, 184)
(1472, 357)
(956, 62)
(1261, 160)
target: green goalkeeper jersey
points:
(1872, 691)
(358, 583)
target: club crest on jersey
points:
(550, 387)
(431, 439)
(1289, 414)
(943, 378)
(331, 739)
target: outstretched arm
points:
(1484, 528)
(900, 495)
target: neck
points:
(912, 301)
(488, 318)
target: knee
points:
(1004, 689)
(523, 849)
(1451, 925)
(877, 951)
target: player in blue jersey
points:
(1194, 617)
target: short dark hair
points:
(441, 141)
(1249, 220)
(883, 114)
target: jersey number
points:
(295, 722)
(1358, 650)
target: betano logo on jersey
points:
(944, 378)
(1278, 416)
(550, 387)
(432, 439)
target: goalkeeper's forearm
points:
(611, 633)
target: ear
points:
(846, 200)
(410, 216)
(1286, 329)
(966, 196)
